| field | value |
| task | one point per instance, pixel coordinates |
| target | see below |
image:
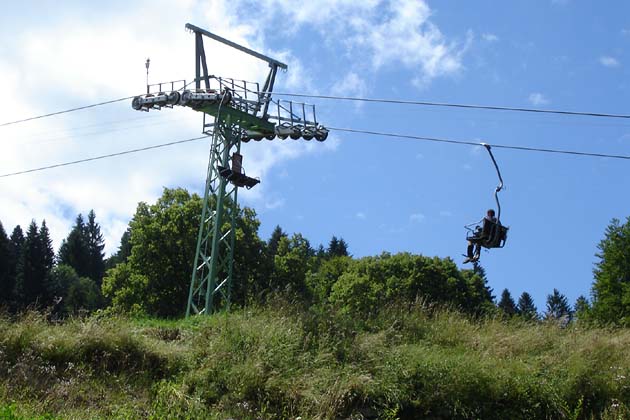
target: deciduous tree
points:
(156, 277)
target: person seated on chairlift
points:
(481, 234)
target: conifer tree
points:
(74, 250)
(123, 253)
(343, 248)
(95, 246)
(337, 247)
(479, 295)
(47, 261)
(526, 307)
(6, 278)
(16, 246)
(321, 251)
(17, 243)
(48, 253)
(31, 270)
(611, 288)
(83, 249)
(558, 306)
(582, 308)
(506, 304)
(333, 245)
(274, 240)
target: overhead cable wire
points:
(457, 105)
(350, 130)
(65, 111)
(360, 99)
(473, 143)
(126, 152)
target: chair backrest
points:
(488, 227)
(496, 234)
(237, 163)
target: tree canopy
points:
(83, 249)
(526, 307)
(156, 276)
(611, 288)
(33, 267)
(6, 279)
(558, 306)
(507, 305)
(151, 271)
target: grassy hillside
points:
(286, 363)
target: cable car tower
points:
(234, 111)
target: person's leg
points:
(469, 250)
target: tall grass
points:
(285, 363)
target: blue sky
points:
(379, 194)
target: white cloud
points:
(407, 36)
(361, 216)
(351, 85)
(488, 37)
(608, 61)
(416, 217)
(389, 32)
(537, 98)
(316, 12)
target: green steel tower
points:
(233, 112)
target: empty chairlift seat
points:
(236, 175)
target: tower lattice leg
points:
(212, 270)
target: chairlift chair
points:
(487, 233)
(236, 174)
